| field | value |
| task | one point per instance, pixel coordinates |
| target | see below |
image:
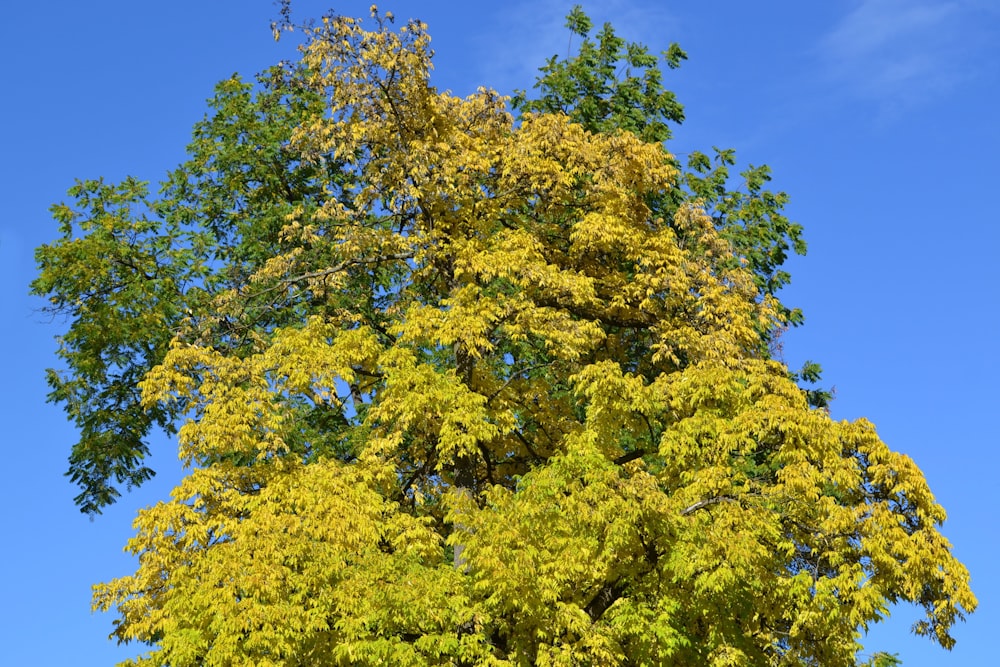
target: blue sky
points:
(878, 117)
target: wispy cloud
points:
(535, 31)
(904, 52)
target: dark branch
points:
(606, 597)
(337, 268)
(631, 456)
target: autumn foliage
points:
(457, 387)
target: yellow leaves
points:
(283, 570)
(541, 555)
(313, 359)
(239, 405)
(816, 496)
(464, 317)
(518, 256)
(606, 177)
(444, 414)
(487, 349)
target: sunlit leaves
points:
(459, 389)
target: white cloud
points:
(878, 25)
(904, 52)
(534, 31)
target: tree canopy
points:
(456, 386)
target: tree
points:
(507, 382)
(129, 268)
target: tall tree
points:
(506, 382)
(129, 268)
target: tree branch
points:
(631, 456)
(705, 503)
(337, 268)
(605, 597)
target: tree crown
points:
(505, 379)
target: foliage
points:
(456, 388)
(883, 660)
(131, 271)
(611, 85)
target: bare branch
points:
(705, 503)
(329, 271)
(337, 268)
(631, 456)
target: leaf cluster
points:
(506, 380)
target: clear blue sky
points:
(878, 117)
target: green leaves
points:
(120, 282)
(578, 22)
(612, 85)
(608, 85)
(883, 660)
(131, 270)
